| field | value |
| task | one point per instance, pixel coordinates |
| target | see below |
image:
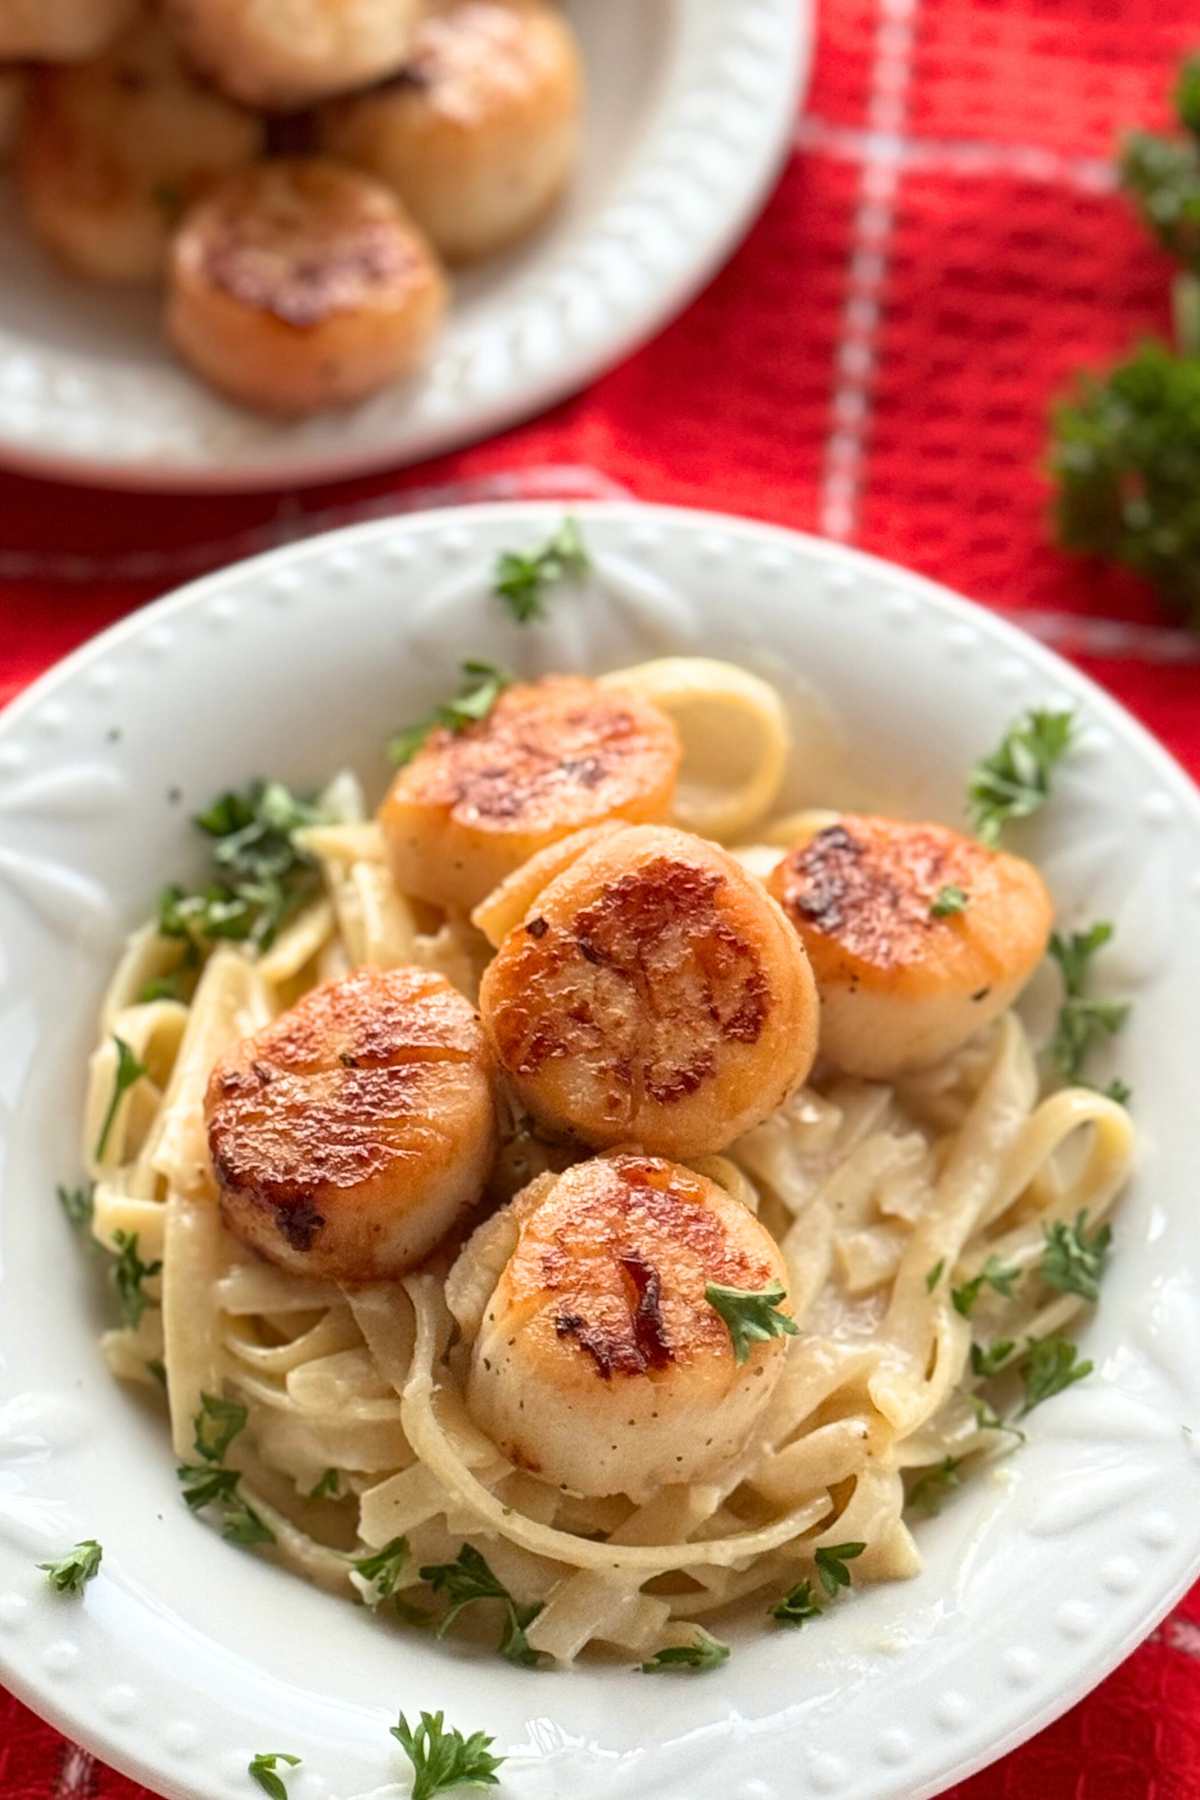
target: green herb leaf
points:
(1072, 1261)
(482, 685)
(216, 1425)
(469, 1579)
(1161, 175)
(994, 1275)
(989, 1361)
(1082, 1023)
(935, 1274)
(71, 1573)
(242, 1525)
(752, 1316)
(988, 1419)
(521, 580)
(442, 1758)
(948, 901)
(263, 1766)
(382, 1570)
(129, 1070)
(205, 1485)
(831, 1560)
(797, 1606)
(329, 1488)
(128, 1273)
(76, 1204)
(1118, 1091)
(163, 987)
(703, 1653)
(1050, 1367)
(1014, 781)
(158, 1369)
(931, 1488)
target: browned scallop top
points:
(869, 885)
(551, 755)
(305, 241)
(471, 58)
(330, 1094)
(616, 1260)
(644, 982)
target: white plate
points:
(691, 108)
(186, 1655)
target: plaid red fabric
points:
(944, 247)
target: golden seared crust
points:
(337, 1117)
(551, 756)
(653, 994)
(615, 1262)
(473, 58)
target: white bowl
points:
(187, 1655)
(691, 107)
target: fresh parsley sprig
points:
(988, 1360)
(948, 900)
(129, 1069)
(1082, 1022)
(1014, 781)
(521, 579)
(994, 1275)
(443, 1758)
(752, 1315)
(77, 1204)
(831, 1560)
(381, 1571)
(702, 1654)
(934, 1275)
(72, 1572)
(329, 1487)
(216, 1425)
(988, 1419)
(932, 1486)
(481, 687)
(1073, 1260)
(210, 1483)
(796, 1607)
(128, 1272)
(262, 1767)
(1050, 1366)
(470, 1578)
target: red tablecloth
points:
(944, 246)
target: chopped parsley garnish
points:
(988, 1419)
(797, 1606)
(704, 1652)
(521, 581)
(163, 987)
(382, 1570)
(1073, 1262)
(76, 1204)
(931, 1488)
(263, 1767)
(934, 1275)
(206, 1486)
(1014, 781)
(262, 877)
(1082, 1023)
(72, 1572)
(751, 1316)
(217, 1424)
(947, 901)
(990, 1360)
(1051, 1366)
(158, 1368)
(1118, 1091)
(128, 1273)
(831, 1560)
(994, 1275)
(482, 685)
(329, 1487)
(469, 1579)
(129, 1070)
(442, 1758)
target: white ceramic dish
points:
(691, 108)
(187, 1655)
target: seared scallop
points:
(12, 93)
(551, 757)
(479, 131)
(298, 284)
(353, 1132)
(112, 151)
(918, 937)
(61, 30)
(600, 1364)
(653, 995)
(287, 53)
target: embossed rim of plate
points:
(718, 135)
(889, 1698)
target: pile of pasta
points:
(298, 176)
(866, 1186)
